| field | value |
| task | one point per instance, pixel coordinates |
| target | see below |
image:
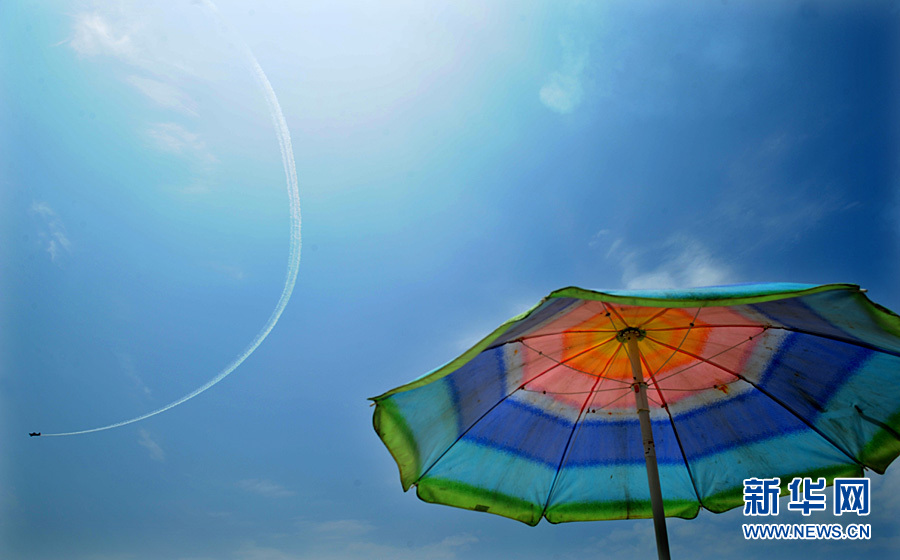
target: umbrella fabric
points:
(538, 419)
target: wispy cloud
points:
(598, 238)
(52, 233)
(94, 35)
(759, 199)
(164, 94)
(174, 138)
(340, 528)
(156, 452)
(682, 262)
(133, 36)
(156, 69)
(602, 239)
(126, 362)
(562, 90)
(265, 488)
(234, 272)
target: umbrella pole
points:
(631, 337)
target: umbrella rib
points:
(877, 422)
(564, 364)
(680, 344)
(771, 396)
(707, 326)
(613, 309)
(526, 337)
(581, 392)
(498, 403)
(575, 426)
(665, 309)
(617, 399)
(580, 331)
(859, 343)
(691, 389)
(692, 366)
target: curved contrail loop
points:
(290, 172)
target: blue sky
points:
(456, 162)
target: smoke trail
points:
(290, 172)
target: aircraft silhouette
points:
(32, 434)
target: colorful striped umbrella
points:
(550, 415)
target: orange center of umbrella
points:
(664, 328)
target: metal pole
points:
(631, 337)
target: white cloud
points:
(126, 362)
(156, 452)
(143, 35)
(562, 90)
(265, 488)
(52, 234)
(234, 272)
(176, 139)
(343, 528)
(164, 94)
(156, 64)
(686, 263)
(598, 238)
(94, 35)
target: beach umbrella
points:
(637, 404)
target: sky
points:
(457, 161)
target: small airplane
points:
(32, 434)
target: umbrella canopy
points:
(539, 418)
